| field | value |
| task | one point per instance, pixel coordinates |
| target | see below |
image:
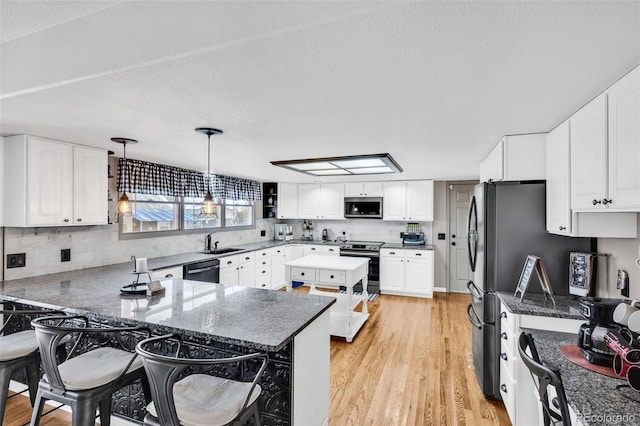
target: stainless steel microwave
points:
(363, 207)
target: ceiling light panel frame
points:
(350, 165)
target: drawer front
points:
(310, 250)
(419, 254)
(508, 321)
(262, 254)
(303, 274)
(332, 277)
(391, 252)
(331, 250)
(229, 261)
(262, 263)
(263, 271)
(263, 282)
(507, 360)
(508, 393)
(247, 257)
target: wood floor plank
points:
(410, 364)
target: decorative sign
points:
(534, 263)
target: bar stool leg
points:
(105, 410)
(83, 412)
(33, 377)
(5, 378)
(38, 406)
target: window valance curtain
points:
(142, 177)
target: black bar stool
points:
(86, 381)
(183, 397)
(19, 350)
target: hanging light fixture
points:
(208, 208)
(124, 205)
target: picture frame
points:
(531, 264)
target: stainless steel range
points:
(370, 249)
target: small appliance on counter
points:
(412, 236)
(591, 335)
(325, 235)
(582, 273)
(307, 230)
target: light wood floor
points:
(409, 365)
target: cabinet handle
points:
(503, 356)
(420, 254)
(331, 277)
(79, 219)
(66, 220)
(229, 262)
(562, 228)
(264, 254)
(264, 263)
(595, 202)
(247, 258)
(503, 314)
(503, 388)
(503, 336)
(302, 274)
(264, 285)
(392, 252)
(264, 272)
(605, 201)
(453, 243)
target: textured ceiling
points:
(433, 83)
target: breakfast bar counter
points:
(595, 399)
(293, 328)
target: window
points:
(163, 214)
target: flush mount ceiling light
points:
(208, 209)
(371, 164)
(124, 206)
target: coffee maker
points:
(591, 335)
(325, 235)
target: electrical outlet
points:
(441, 236)
(65, 255)
(16, 260)
(263, 233)
(401, 234)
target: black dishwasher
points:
(206, 271)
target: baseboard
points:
(20, 387)
(439, 289)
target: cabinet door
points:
(332, 201)
(89, 186)
(309, 197)
(247, 274)
(372, 189)
(394, 201)
(287, 201)
(558, 174)
(418, 276)
(310, 250)
(624, 141)
(420, 200)
(354, 189)
(492, 168)
(589, 155)
(50, 183)
(2, 183)
(277, 269)
(392, 274)
(229, 276)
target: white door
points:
(418, 272)
(392, 272)
(229, 276)
(394, 201)
(50, 182)
(89, 186)
(589, 155)
(247, 274)
(287, 201)
(332, 201)
(309, 200)
(353, 189)
(420, 200)
(459, 267)
(277, 268)
(372, 189)
(624, 141)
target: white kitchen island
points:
(333, 271)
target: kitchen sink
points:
(222, 250)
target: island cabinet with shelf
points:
(54, 183)
(269, 200)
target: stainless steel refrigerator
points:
(506, 223)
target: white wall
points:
(623, 254)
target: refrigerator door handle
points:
(472, 229)
(475, 320)
(474, 290)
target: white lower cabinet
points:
(516, 387)
(406, 272)
(166, 273)
(229, 270)
(277, 267)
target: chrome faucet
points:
(207, 242)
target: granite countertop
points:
(257, 318)
(593, 396)
(534, 304)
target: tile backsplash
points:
(99, 245)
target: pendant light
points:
(124, 205)
(208, 209)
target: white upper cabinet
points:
(516, 157)
(363, 189)
(321, 201)
(410, 200)
(54, 183)
(589, 156)
(287, 201)
(2, 182)
(624, 142)
(558, 180)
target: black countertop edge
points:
(594, 397)
(534, 304)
